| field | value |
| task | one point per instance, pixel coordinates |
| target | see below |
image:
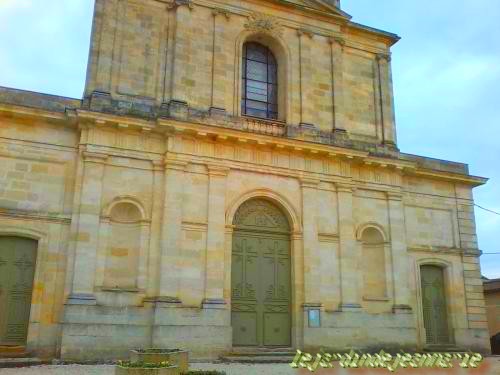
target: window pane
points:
(272, 74)
(256, 52)
(256, 113)
(273, 115)
(256, 105)
(256, 91)
(256, 71)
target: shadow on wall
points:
(495, 344)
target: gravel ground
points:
(492, 367)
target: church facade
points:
(230, 178)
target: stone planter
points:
(173, 370)
(176, 357)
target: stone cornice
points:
(168, 127)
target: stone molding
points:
(337, 40)
(345, 188)
(217, 171)
(177, 165)
(260, 22)
(94, 157)
(309, 183)
(178, 3)
(383, 57)
(394, 196)
(221, 12)
(306, 32)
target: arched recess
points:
(437, 302)
(261, 286)
(123, 242)
(281, 52)
(287, 208)
(39, 241)
(374, 261)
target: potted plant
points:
(144, 368)
(176, 357)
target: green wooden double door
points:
(17, 269)
(260, 280)
(434, 305)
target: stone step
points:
(445, 348)
(21, 362)
(258, 359)
(253, 350)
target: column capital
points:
(383, 56)
(222, 12)
(309, 183)
(345, 188)
(336, 40)
(217, 170)
(230, 228)
(94, 157)
(301, 32)
(178, 165)
(178, 3)
(394, 196)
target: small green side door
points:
(260, 278)
(17, 270)
(434, 305)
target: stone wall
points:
(333, 75)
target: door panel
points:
(17, 270)
(260, 279)
(434, 305)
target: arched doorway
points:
(260, 276)
(17, 270)
(434, 305)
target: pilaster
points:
(214, 282)
(399, 253)
(306, 115)
(386, 100)
(87, 233)
(171, 235)
(349, 293)
(337, 60)
(156, 227)
(312, 260)
(219, 70)
(178, 106)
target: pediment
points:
(327, 6)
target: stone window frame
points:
(282, 54)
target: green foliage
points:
(128, 364)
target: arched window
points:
(260, 82)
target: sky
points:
(446, 72)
